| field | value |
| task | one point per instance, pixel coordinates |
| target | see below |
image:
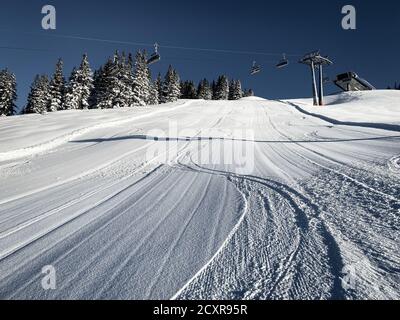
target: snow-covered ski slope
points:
(314, 215)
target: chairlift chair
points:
(155, 57)
(283, 63)
(255, 68)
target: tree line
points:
(395, 87)
(222, 89)
(123, 81)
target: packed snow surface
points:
(381, 106)
(128, 204)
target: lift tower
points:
(316, 61)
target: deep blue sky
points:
(291, 26)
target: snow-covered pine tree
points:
(106, 85)
(222, 88)
(117, 92)
(231, 90)
(192, 91)
(184, 85)
(183, 89)
(200, 89)
(167, 85)
(188, 90)
(153, 93)
(38, 98)
(204, 90)
(176, 87)
(86, 81)
(80, 86)
(113, 83)
(214, 90)
(171, 86)
(248, 93)
(8, 93)
(141, 83)
(124, 81)
(237, 90)
(97, 79)
(159, 86)
(128, 80)
(72, 91)
(57, 88)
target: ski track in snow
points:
(394, 164)
(320, 210)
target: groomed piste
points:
(315, 214)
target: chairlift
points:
(255, 68)
(283, 63)
(155, 57)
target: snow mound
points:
(252, 99)
(378, 106)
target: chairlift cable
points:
(144, 44)
(23, 49)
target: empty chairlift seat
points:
(255, 68)
(283, 63)
(155, 57)
(350, 81)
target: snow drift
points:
(378, 106)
